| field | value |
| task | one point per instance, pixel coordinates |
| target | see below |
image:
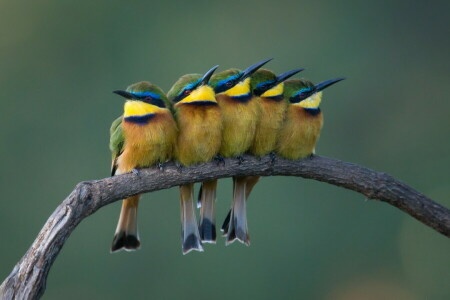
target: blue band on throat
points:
(242, 98)
(277, 98)
(139, 120)
(312, 111)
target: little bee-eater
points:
(301, 129)
(240, 116)
(145, 135)
(200, 123)
(267, 89)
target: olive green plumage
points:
(222, 76)
(200, 134)
(117, 138)
(260, 76)
(272, 113)
(181, 83)
(301, 129)
(143, 136)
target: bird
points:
(267, 89)
(144, 136)
(199, 120)
(304, 120)
(240, 116)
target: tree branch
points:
(28, 278)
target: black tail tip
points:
(123, 241)
(207, 231)
(199, 199)
(226, 223)
(191, 243)
(238, 234)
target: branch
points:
(28, 278)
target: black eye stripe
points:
(180, 97)
(158, 102)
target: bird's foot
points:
(219, 160)
(273, 157)
(161, 166)
(136, 172)
(179, 167)
(240, 159)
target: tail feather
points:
(126, 236)
(189, 230)
(251, 182)
(207, 225)
(238, 229)
(226, 223)
(199, 198)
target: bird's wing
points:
(116, 141)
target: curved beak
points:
(253, 68)
(282, 77)
(125, 94)
(205, 79)
(324, 84)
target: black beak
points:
(125, 94)
(253, 68)
(205, 79)
(282, 77)
(324, 84)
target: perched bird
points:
(145, 135)
(301, 130)
(267, 89)
(200, 123)
(240, 116)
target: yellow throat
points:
(139, 108)
(275, 91)
(200, 94)
(240, 89)
(311, 102)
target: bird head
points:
(143, 98)
(304, 93)
(235, 83)
(266, 84)
(193, 89)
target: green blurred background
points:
(60, 60)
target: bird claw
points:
(240, 159)
(179, 167)
(135, 172)
(219, 160)
(273, 157)
(161, 166)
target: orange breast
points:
(239, 125)
(200, 133)
(267, 129)
(148, 144)
(299, 134)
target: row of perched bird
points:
(211, 117)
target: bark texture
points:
(28, 278)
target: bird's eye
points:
(148, 99)
(229, 84)
(187, 92)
